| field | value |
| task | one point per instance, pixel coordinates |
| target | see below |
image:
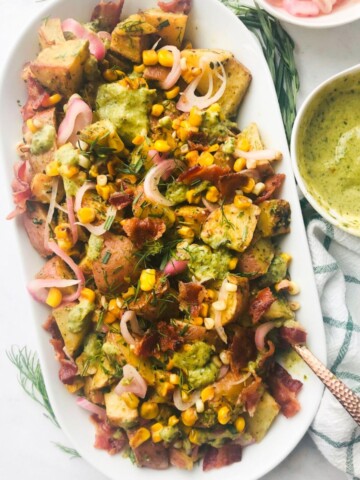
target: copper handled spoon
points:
(341, 392)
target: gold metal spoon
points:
(348, 399)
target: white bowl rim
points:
(320, 22)
(294, 138)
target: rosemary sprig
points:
(278, 48)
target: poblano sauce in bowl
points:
(326, 150)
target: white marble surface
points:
(26, 436)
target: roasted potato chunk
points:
(72, 340)
(279, 310)
(41, 186)
(60, 68)
(274, 218)
(238, 76)
(169, 26)
(192, 217)
(236, 302)
(119, 414)
(266, 412)
(230, 227)
(50, 33)
(256, 259)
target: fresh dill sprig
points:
(31, 378)
(68, 450)
(278, 48)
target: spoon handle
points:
(341, 392)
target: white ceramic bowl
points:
(213, 27)
(339, 16)
(304, 117)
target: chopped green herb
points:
(106, 257)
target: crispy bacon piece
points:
(156, 73)
(179, 459)
(258, 305)
(242, 349)
(191, 295)
(251, 395)
(228, 184)
(150, 454)
(284, 389)
(37, 95)
(120, 200)
(211, 174)
(166, 337)
(198, 141)
(264, 169)
(222, 457)
(68, 372)
(143, 230)
(58, 344)
(105, 436)
(108, 14)
(272, 185)
(176, 6)
(293, 335)
(147, 345)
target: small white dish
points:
(342, 14)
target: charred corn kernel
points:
(210, 294)
(88, 294)
(174, 379)
(129, 293)
(194, 437)
(207, 393)
(111, 167)
(224, 415)
(130, 399)
(206, 159)
(147, 279)
(225, 357)
(186, 232)
(192, 196)
(233, 263)
(86, 214)
(84, 162)
(173, 93)
(242, 202)
(216, 361)
(243, 144)
(214, 148)
(68, 171)
(62, 231)
(219, 306)
(165, 389)
(204, 309)
(195, 117)
(139, 68)
(157, 110)
(199, 405)
(114, 307)
(198, 321)
(109, 318)
(31, 126)
(127, 177)
(103, 191)
(250, 186)
(141, 436)
(166, 58)
(93, 172)
(189, 417)
(149, 410)
(212, 195)
(150, 57)
(215, 108)
(286, 257)
(54, 297)
(240, 424)
(173, 420)
(192, 157)
(209, 323)
(53, 100)
(138, 140)
(259, 188)
(52, 169)
(240, 164)
(294, 306)
(162, 146)
(110, 75)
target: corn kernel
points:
(130, 399)
(207, 393)
(62, 231)
(233, 263)
(186, 232)
(199, 405)
(182, 134)
(243, 144)
(250, 186)
(206, 159)
(147, 280)
(68, 171)
(150, 57)
(192, 158)
(110, 75)
(189, 417)
(198, 321)
(242, 202)
(173, 93)
(88, 294)
(175, 124)
(286, 257)
(138, 140)
(130, 292)
(174, 379)
(157, 427)
(194, 437)
(173, 420)
(86, 214)
(162, 146)
(214, 148)
(185, 396)
(157, 110)
(54, 297)
(187, 347)
(141, 436)
(127, 177)
(210, 294)
(204, 309)
(231, 287)
(212, 195)
(240, 424)
(224, 415)
(165, 389)
(52, 169)
(193, 197)
(155, 432)
(53, 100)
(294, 306)
(65, 245)
(166, 58)
(139, 68)
(209, 323)
(114, 307)
(225, 357)
(109, 318)
(31, 126)
(219, 306)
(214, 108)
(239, 165)
(216, 361)
(93, 172)
(149, 410)
(84, 162)
(104, 192)
(259, 188)
(195, 117)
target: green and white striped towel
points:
(336, 262)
